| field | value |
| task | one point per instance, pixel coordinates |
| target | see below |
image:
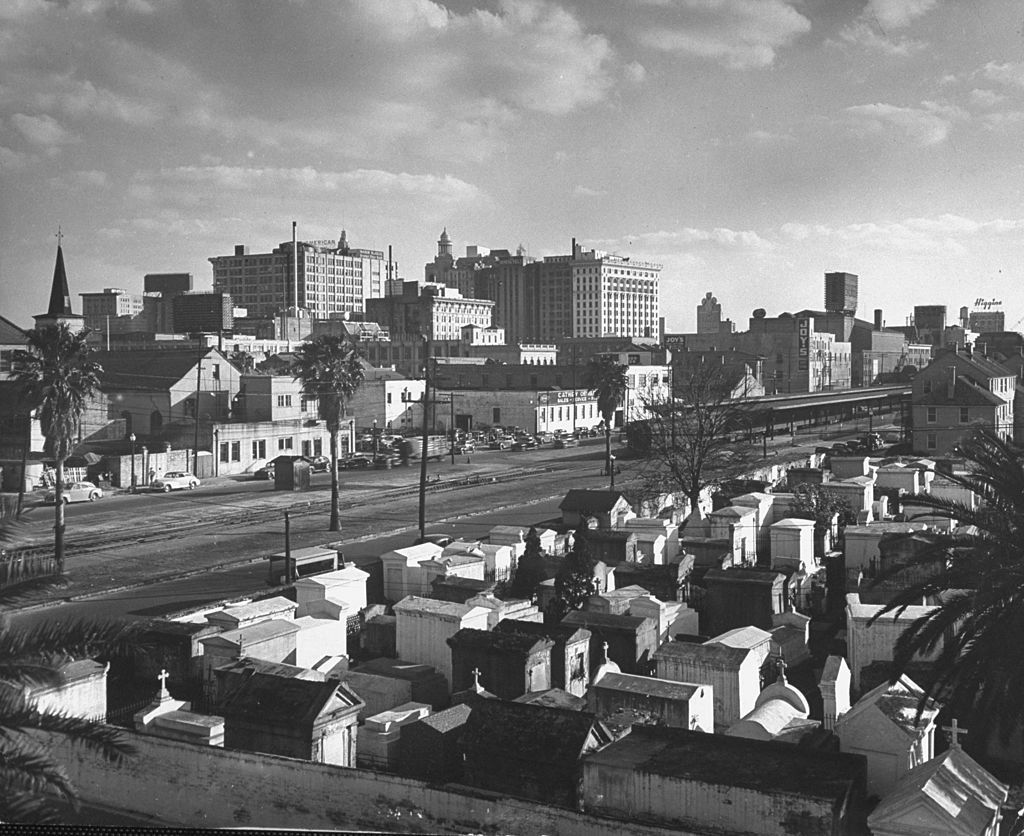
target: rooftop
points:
(648, 686)
(721, 760)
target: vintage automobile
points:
(76, 492)
(174, 480)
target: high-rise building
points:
(332, 278)
(709, 315)
(584, 294)
(432, 310)
(614, 295)
(986, 321)
(841, 293)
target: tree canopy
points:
(975, 574)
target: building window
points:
(931, 442)
(259, 449)
(284, 443)
(224, 448)
(931, 415)
(496, 415)
(927, 387)
(215, 371)
(284, 400)
(236, 451)
(965, 414)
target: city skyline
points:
(750, 147)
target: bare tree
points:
(687, 443)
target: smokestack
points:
(295, 269)
(878, 319)
(574, 246)
(390, 277)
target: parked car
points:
(465, 446)
(355, 463)
(76, 492)
(266, 472)
(320, 464)
(174, 480)
(523, 444)
(562, 443)
(545, 438)
(501, 444)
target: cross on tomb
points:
(780, 666)
(604, 646)
(59, 236)
(954, 731)
(164, 693)
(476, 678)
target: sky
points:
(749, 146)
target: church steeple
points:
(59, 309)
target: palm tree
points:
(59, 378)
(976, 573)
(606, 378)
(330, 369)
(34, 787)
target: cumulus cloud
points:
(926, 125)
(1008, 73)
(685, 237)
(41, 130)
(947, 233)
(862, 34)
(986, 98)
(896, 14)
(11, 160)
(740, 34)
(586, 191)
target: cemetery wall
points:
(193, 786)
(732, 809)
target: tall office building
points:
(584, 294)
(332, 278)
(709, 315)
(841, 293)
(614, 296)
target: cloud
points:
(926, 125)
(1009, 73)
(896, 14)
(763, 137)
(740, 34)
(947, 233)
(690, 237)
(42, 130)
(863, 35)
(11, 160)
(91, 178)
(986, 98)
(584, 191)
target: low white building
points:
(424, 626)
(332, 591)
(403, 574)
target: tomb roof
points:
(530, 732)
(556, 632)
(714, 655)
(722, 760)
(447, 720)
(554, 698)
(648, 686)
(498, 642)
(586, 618)
(276, 700)
(416, 604)
(589, 501)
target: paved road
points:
(210, 587)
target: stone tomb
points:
(424, 627)
(570, 651)
(622, 699)
(512, 664)
(379, 737)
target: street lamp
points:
(131, 438)
(375, 444)
(611, 470)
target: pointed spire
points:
(60, 296)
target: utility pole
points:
(199, 383)
(423, 447)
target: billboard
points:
(803, 351)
